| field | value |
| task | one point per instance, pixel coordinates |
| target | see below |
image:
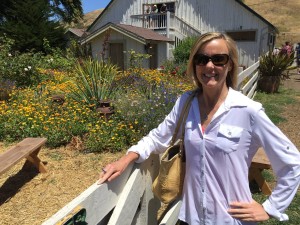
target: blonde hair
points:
(231, 79)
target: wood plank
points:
(255, 174)
(149, 205)
(20, 151)
(261, 160)
(133, 193)
(98, 200)
(129, 199)
(35, 160)
(171, 216)
(247, 72)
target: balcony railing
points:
(164, 23)
(154, 20)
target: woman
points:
(223, 131)
(298, 57)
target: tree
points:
(65, 10)
(28, 23)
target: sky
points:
(91, 5)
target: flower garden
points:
(57, 97)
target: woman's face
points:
(212, 64)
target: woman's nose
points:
(210, 63)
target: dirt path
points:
(29, 198)
(293, 82)
(292, 112)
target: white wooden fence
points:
(128, 200)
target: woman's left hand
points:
(248, 211)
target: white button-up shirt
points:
(218, 160)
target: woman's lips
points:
(210, 75)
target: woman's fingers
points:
(111, 171)
(115, 169)
(248, 211)
(106, 173)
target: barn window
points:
(242, 35)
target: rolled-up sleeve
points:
(158, 139)
(285, 162)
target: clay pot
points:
(269, 84)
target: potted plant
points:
(271, 70)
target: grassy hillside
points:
(285, 15)
(89, 18)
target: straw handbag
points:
(169, 183)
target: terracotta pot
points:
(269, 84)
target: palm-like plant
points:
(271, 70)
(94, 82)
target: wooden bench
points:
(29, 149)
(259, 163)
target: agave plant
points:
(94, 82)
(271, 70)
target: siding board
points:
(203, 15)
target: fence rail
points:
(128, 200)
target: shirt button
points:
(288, 147)
(229, 133)
(202, 190)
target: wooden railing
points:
(164, 23)
(247, 80)
(154, 20)
(128, 199)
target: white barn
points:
(126, 24)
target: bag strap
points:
(183, 116)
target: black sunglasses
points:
(217, 59)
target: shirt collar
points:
(234, 99)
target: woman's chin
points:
(209, 81)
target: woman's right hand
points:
(115, 169)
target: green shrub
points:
(18, 68)
(58, 59)
(182, 51)
(145, 113)
(23, 69)
(136, 59)
(171, 67)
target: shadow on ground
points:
(14, 183)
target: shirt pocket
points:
(228, 138)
